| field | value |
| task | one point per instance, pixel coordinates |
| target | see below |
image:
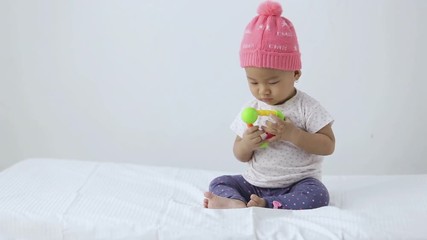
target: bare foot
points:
(256, 201)
(205, 203)
(217, 202)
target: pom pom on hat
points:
(270, 8)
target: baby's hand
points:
(281, 129)
(252, 138)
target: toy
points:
(250, 115)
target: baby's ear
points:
(297, 74)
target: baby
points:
(287, 173)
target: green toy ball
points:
(264, 145)
(249, 115)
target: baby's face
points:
(270, 85)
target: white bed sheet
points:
(66, 199)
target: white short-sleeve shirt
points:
(282, 163)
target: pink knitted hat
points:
(270, 40)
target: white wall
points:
(158, 82)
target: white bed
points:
(66, 199)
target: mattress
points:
(69, 199)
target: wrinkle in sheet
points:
(78, 193)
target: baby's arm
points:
(319, 143)
(244, 147)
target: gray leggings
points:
(306, 194)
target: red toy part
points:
(269, 135)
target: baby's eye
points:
(275, 82)
(253, 83)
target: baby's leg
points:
(228, 188)
(308, 193)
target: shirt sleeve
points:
(317, 118)
(238, 126)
